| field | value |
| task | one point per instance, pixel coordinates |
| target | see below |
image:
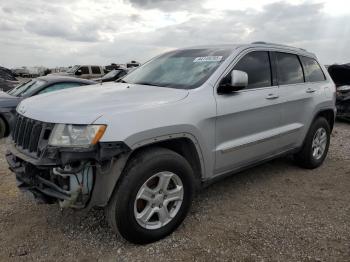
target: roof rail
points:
(266, 43)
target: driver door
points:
(248, 121)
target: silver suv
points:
(141, 147)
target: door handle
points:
(310, 90)
(272, 96)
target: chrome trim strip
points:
(230, 149)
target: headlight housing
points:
(76, 135)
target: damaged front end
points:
(74, 177)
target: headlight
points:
(76, 135)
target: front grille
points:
(30, 136)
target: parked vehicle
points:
(141, 147)
(84, 71)
(113, 75)
(40, 85)
(7, 79)
(132, 64)
(341, 77)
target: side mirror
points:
(78, 72)
(235, 81)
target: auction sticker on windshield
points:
(207, 59)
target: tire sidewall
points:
(319, 123)
(129, 188)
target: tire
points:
(149, 166)
(3, 128)
(306, 157)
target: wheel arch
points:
(328, 114)
(183, 144)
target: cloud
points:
(168, 5)
(101, 32)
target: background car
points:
(9, 100)
(341, 77)
(7, 79)
(113, 75)
(84, 71)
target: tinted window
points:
(289, 69)
(84, 70)
(312, 70)
(59, 86)
(95, 70)
(257, 66)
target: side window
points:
(58, 86)
(312, 70)
(289, 69)
(257, 66)
(95, 70)
(84, 70)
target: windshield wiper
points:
(147, 84)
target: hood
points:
(84, 105)
(7, 100)
(340, 74)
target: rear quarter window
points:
(312, 70)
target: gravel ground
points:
(274, 212)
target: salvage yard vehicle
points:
(141, 147)
(7, 79)
(343, 102)
(83, 71)
(341, 77)
(9, 100)
(113, 75)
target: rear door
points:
(248, 121)
(298, 92)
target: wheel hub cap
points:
(158, 200)
(319, 143)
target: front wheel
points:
(153, 197)
(316, 145)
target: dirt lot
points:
(274, 212)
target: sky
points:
(68, 32)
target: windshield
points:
(111, 74)
(182, 69)
(73, 69)
(27, 88)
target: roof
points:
(254, 44)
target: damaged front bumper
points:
(73, 177)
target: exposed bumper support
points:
(73, 178)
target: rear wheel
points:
(153, 197)
(2, 128)
(316, 145)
